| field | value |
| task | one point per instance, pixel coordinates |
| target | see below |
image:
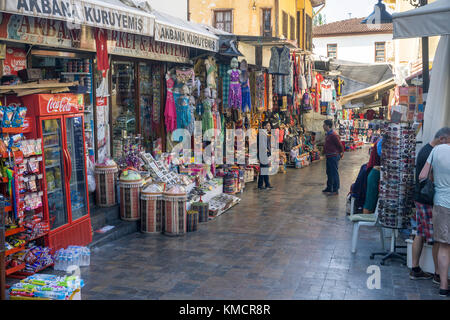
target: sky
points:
(336, 10)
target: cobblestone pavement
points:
(291, 242)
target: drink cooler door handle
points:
(69, 167)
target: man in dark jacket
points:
(334, 151)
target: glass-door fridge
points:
(60, 124)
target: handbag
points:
(426, 194)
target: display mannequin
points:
(170, 113)
(235, 93)
(245, 87)
(183, 111)
(207, 119)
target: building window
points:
(332, 51)
(292, 27)
(308, 33)
(223, 20)
(285, 24)
(380, 51)
(267, 23)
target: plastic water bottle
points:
(56, 261)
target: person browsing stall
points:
(334, 151)
(438, 168)
(424, 215)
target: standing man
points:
(424, 215)
(334, 151)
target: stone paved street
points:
(288, 243)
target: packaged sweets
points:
(19, 116)
(8, 116)
(2, 114)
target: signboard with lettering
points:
(54, 104)
(183, 37)
(100, 14)
(15, 60)
(131, 45)
(45, 32)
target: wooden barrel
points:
(151, 212)
(191, 221)
(105, 182)
(174, 214)
(203, 211)
(129, 200)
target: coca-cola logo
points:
(63, 105)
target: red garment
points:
(101, 38)
(333, 145)
(281, 136)
(374, 160)
(370, 114)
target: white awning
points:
(173, 30)
(430, 20)
(111, 14)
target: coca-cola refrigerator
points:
(59, 121)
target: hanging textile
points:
(101, 38)
(170, 114)
(279, 61)
(223, 74)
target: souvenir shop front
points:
(47, 139)
(359, 126)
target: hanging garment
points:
(279, 61)
(183, 76)
(235, 93)
(101, 38)
(191, 125)
(309, 82)
(223, 74)
(326, 91)
(246, 98)
(170, 113)
(302, 79)
(183, 111)
(207, 118)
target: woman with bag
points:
(437, 170)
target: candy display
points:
(12, 117)
(45, 286)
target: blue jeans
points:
(333, 183)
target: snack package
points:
(8, 116)
(19, 116)
(2, 114)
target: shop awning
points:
(429, 20)
(370, 94)
(267, 41)
(173, 30)
(227, 42)
(111, 14)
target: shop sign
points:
(88, 12)
(60, 103)
(131, 45)
(15, 60)
(169, 34)
(45, 32)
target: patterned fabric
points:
(105, 191)
(151, 215)
(235, 93)
(259, 91)
(129, 201)
(246, 99)
(174, 216)
(223, 74)
(207, 119)
(183, 111)
(424, 220)
(170, 113)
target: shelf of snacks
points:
(15, 269)
(14, 250)
(14, 231)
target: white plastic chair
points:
(364, 220)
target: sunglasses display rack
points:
(396, 198)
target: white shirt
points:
(440, 161)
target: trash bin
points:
(152, 209)
(105, 181)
